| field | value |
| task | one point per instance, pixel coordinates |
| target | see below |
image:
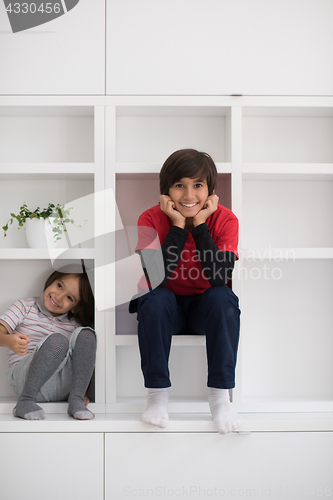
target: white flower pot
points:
(40, 235)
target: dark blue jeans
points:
(215, 313)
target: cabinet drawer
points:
(275, 465)
(51, 466)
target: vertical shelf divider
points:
(110, 288)
(236, 204)
(99, 182)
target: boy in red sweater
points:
(187, 268)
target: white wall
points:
(177, 47)
(253, 47)
(64, 56)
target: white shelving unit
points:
(287, 169)
(52, 150)
(275, 161)
(113, 148)
(91, 105)
(282, 194)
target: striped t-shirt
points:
(31, 317)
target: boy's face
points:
(189, 196)
(62, 295)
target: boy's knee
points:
(84, 336)
(57, 338)
(158, 298)
(216, 293)
(56, 342)
(221, 297)
(87, 335)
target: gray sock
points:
(83, 362)
(44, 363)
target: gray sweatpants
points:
(58, 386)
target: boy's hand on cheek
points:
(209, 208)
(168, 207)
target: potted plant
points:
(44, 227)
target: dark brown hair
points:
(83, 312)
(188, 163)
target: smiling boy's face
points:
(189, 196)
(62, 295)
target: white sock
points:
(157, 408)
(225, 418)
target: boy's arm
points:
(216, 264)
(158, 265)
(17, 342)
(3, 336)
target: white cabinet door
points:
(63, 56)
(53, 466)
(288, 466)
(219, 47)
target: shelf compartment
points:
(152, 133)
(23, 275)
(287, 134)
(287, 213)
(135, 193)
(286, 331)
(187, 364)
(37, 134)
(40, 192)
(20, 279)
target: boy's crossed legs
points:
(215, 314)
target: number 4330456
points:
(32, 8)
